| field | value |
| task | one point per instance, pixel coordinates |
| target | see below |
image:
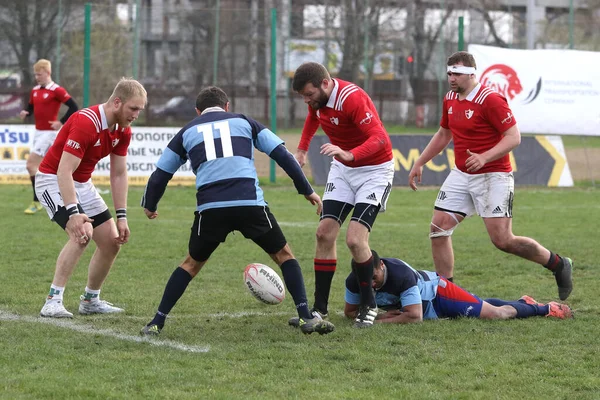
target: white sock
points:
(56, 293)
(91, 295)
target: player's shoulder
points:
(348, 94)
(488, 96)
(53, 86)
(89, 118)
(37, 87)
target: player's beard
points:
(122, 119)
(457, 89)
(321, 101)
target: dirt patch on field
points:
(584, 163)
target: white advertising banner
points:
(147, 144)
(549, 91)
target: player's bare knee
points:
(110, 247)
(325, 235)
(502, 243)
(282, 255)
(356, 244)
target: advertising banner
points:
(146, 146)
(549, 91)
(538, 160)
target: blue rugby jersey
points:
(220, 146)
(404, 286)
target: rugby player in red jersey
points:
(44, 102)
(64, 187)
(484, 131)
(360, 178)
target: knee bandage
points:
(444, 232)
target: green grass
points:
(258, 356)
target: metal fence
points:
(396, 50)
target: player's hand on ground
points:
(414, 176)
(23, 114)
(301, 157)
(331, 150)
(124, 232)
(475, 161)
(79, 228)
(314, 198)
(150, 214)
(56, 125)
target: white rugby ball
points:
(264, 283)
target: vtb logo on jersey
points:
(504, 80)
(469, 113)
(73, 144)
(334, 120)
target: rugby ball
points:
(264, 283)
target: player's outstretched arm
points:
(288, 163)
(119, 186)
(438, 142)
(155, 188)
(408, 315)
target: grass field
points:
(220, 342)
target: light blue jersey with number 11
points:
(220, 146)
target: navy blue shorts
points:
(452, 301)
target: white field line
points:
(67, 324)
(240, 314)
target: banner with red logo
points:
(549, 91)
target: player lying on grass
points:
(410, 295)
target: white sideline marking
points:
(64, 323)
(240, 314)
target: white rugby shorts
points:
(369, 184)
(42, 140)
(46, 188)
(490, 195)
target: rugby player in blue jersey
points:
(410, 295)
(220, 146)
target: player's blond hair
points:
(42, 65)
(128, 88)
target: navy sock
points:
(324, 271)
(32, 178)
(524, 310)
(364, 273)
(294, 282)
(175, 288)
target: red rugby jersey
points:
(477, 124)
(46, 102)
(86, 136)
(351, 122)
